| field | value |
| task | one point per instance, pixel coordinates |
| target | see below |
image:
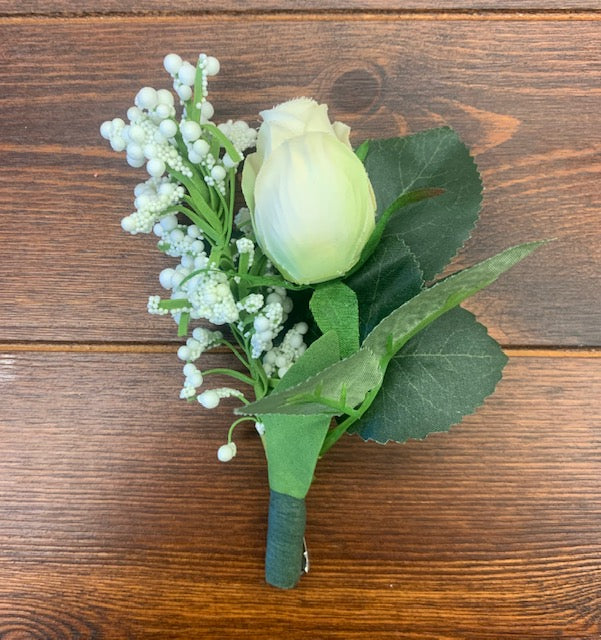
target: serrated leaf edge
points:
(478, 174)
(469, 413)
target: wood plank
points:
(118, 521)
(86, 7)
(524, 95)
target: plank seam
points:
(171, 347)
(584, 14)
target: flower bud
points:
(312, 205)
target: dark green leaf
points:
(386, 281)
(401, 325)
(403, 200)
(436, 228)
(334, 307)
(442, 374)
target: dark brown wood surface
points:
(119, 522)
(116, 519)
(140, 7)
(524, 94)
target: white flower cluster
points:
(246, 246)
(193, 379)
(210, 295)
(148, 138)
(252, 303)
(153, 198)
(241, 135)
(279, 359)
(202, 340)
(178, 240)
(267, 325)
(206, 288)
(211, 281)
(152, 135)
(184, 78)
(211, 398)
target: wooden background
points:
(116, 520)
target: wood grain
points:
(117, 521)
(86, 7)
(524, 95)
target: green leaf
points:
(224, 141)
(292, 446)
(195, 218)
(387, 280)
(436, 228)
(196, 198)
(402, 201)
(322, 353)
(442, 374)
(335, 308)
(401, 325)
(270, 281)
(335, 390)
(361, 150)
(174, 303)
(292, 443)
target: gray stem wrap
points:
(285, 535)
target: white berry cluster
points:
(206, 289)
(211, 398)
(202, 340)
(178, 240)
(246, 246)
(154, 137)
(279, 359)
(153, 198)
(184, 77)
(241, 135)
(222, 275)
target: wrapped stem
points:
(284, 560)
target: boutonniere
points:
(325, 286)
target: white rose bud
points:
(311, 201)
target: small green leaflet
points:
(442, 374)
(292, 443)
(389, 278)
(361, 150)
(434, 229)
(335, 308)
(270, 281)
(401, 325)
(335, 390)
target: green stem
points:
(260, 383)
(230, 210)
(232, 374)
(236, 352)
(285, 534)
(235, 424)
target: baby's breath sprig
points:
(187, 202)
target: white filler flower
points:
(312, 205)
